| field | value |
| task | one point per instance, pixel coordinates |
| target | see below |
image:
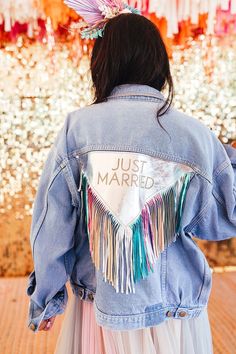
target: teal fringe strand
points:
(181, 201)
(140, 269)
(85, 200)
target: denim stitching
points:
(132, 95)
(163, 274)
(207, 281)
(220, 169)
(196, 219)
(71, 184)
(217, 197)
(202, 286)
(39, 224)
(137, 98)
(143, 317)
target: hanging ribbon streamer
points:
(59, 13)
(22, 12)
(226, 20)
(178, 19)
(190, 10)
(30, 11)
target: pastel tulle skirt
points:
(81, 335)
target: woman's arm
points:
(52, 237)
(210, 208)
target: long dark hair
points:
(131, 51)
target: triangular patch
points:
(133, 205)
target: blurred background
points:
(44, 71)
(44, 74)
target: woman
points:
(126, 185)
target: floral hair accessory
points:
(96, 13)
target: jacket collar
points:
(135, 90)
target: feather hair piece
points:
(96, 13)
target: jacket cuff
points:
(31, 283)
(82, 292)
(37, 314)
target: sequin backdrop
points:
(42, 82)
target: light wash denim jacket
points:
(118, 202)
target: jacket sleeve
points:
(52, 237)
(213, 204)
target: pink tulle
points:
(91, 332)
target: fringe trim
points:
(125, 255)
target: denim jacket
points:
(119, 201)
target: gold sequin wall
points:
(41, 82)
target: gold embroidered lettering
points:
(135, 163)
(142, 181)
(114, 178)
(137, 179)
(143, 162)
(118, 165)
(122, 165)
(129, 165)
(151, 180)
(134, 180)
(125, 178)
(102, 178)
